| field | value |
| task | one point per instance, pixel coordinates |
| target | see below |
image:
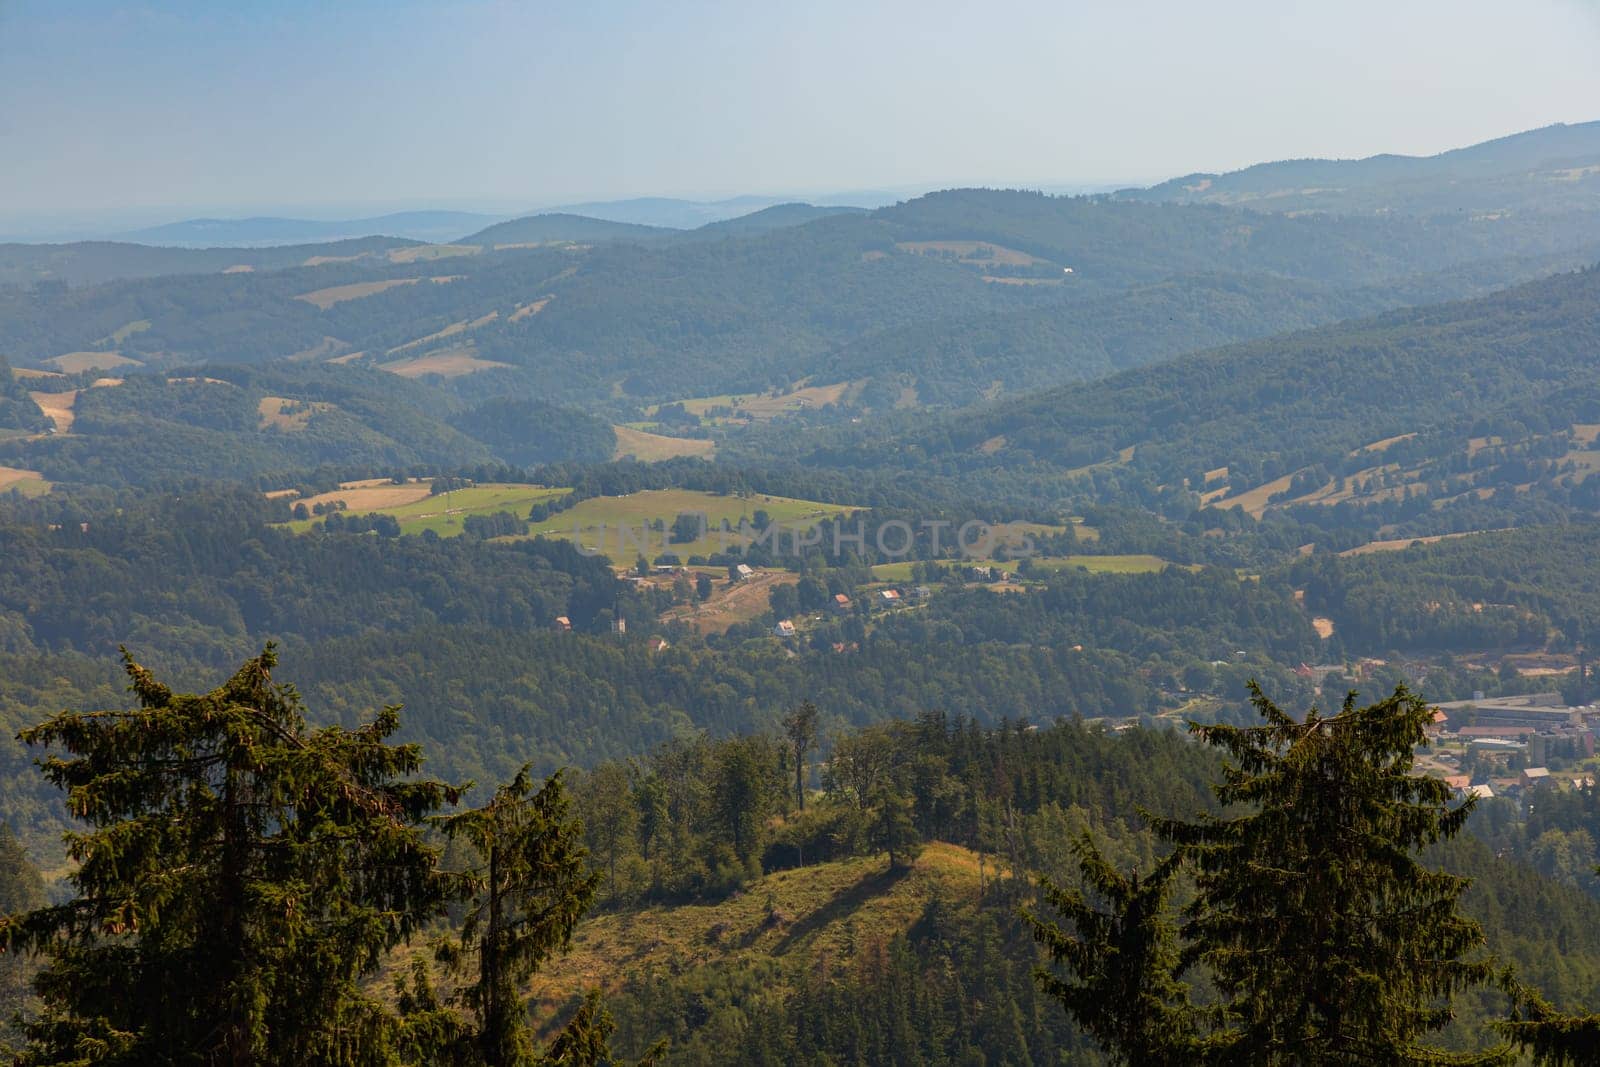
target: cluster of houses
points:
(842, 604)
(1521, 735)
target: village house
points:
(563, 623)
(889, 596)
(841, 603)
(743, 571)
(784, 629)
(1535, 776)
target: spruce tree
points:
(1124, 990)
(239, 874)
(529, 889)
(1328, 941)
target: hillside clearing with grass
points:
(652, 447)
(615, 525)
(78, 362)
(451, 363)
(416, 510)
(806, 917)
(338, 294)
(28, 483)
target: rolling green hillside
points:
(1459, 391)
(939, 301)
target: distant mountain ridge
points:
(559, 226)
(1552, 168)
(429, 226)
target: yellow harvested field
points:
(451, 363)
(348, 357)
(239, 268)
(1323, 625)
(364, 498)
(78, 362)
(997, 280)
(109, 383)
(651, 447)
(282, 413)
(57, 407)
(979, 252)
(525, 310)
(319, 261)
(33, 372)
(338, 294)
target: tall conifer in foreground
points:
(239, 874)
(1325, 938)
(529, 889)
(1329, 941)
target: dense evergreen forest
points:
(347, 839)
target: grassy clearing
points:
(78, 362)
(1401, 543)
(289, 416)
(822, 914)
(531, 308)
(977, 253)
(451, 363)
(419, 253)
(58, 408)
(633, 511)
(28, 483)
(453, 330)
(417, 511)
(125, 331)
(653, 447)
(338, 294)
(762, 406)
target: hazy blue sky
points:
(230, 106)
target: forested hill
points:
(1015, 276)
(1549, 170)
(271, 425)
(1508, 366)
